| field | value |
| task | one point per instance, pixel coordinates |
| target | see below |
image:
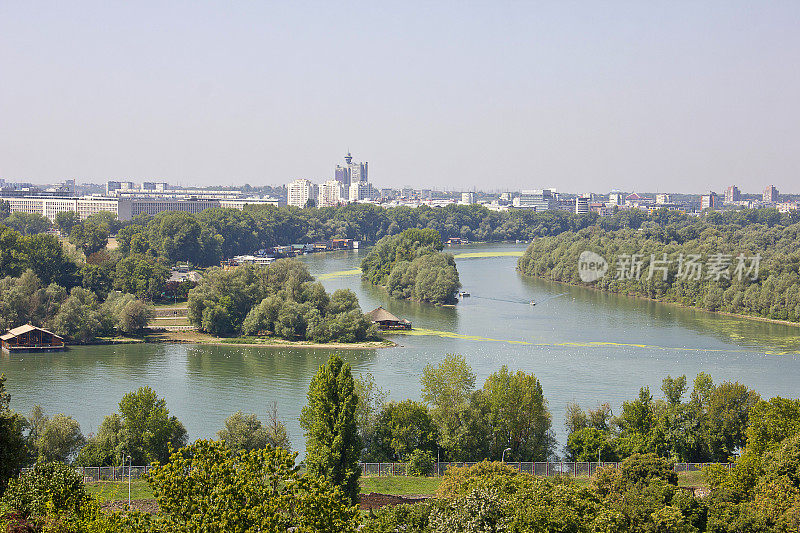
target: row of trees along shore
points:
(768, 242)
(247, 480)
(149, 246)
(82, 294)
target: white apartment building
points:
(362, 190)
(153, 206)
(468, 198)
(123, 208)
(663, 198)
(85, 206)
(330, 193)
(581, 205)
(299, 192)
(239, 203)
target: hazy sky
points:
(582, 96)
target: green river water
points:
(583, 345)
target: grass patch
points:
(692, 479)
(170, 305)
(400, 485)
(118, 490)
(169, 321)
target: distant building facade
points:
(709, 201)
(351, 172)
(538, 199)
(362, 190)
(299, 192)
(770, 194)
(330, 193)
(663, 198)
(732, 194)
(468, 198)
(581, 205)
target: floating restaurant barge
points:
(29, 338)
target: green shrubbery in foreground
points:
(236, 485)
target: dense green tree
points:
(141, 275)
(410, 265)
(59, 439)
(13, 450)
(66, 220)
(401, 429)
(79, 318)
(447, 386)
(246, 432)
(126, 313)
(333, 446)
(771, 422)
(261, 490)
(756, 252)
(47, 489)
(90, 236)
(143, 429)
(45, 256)
(28, 223)
(520, 417)
(280, 300)
(371, 399)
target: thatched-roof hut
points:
(386, 320)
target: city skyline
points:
(682, 97)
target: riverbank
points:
(197, 337)
(666, 302)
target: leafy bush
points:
(48, 488)
(459, 481)
(260, 490)
(420, 463)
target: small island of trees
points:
(411, 265)
(280, 300)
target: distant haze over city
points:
(678, 96)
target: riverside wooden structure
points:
(29, 338)
(386, 320)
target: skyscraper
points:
(732, 194)
(709, 201)
(770, 194)
(351, 172)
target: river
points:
(584, 346)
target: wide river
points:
(584, 346)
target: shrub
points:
(420, 463)
(46, 489)
(459, 481)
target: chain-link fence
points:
(562, 468)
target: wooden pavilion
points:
(29, 338)
(386, 320)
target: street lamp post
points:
(504, 454)
(129, 481)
